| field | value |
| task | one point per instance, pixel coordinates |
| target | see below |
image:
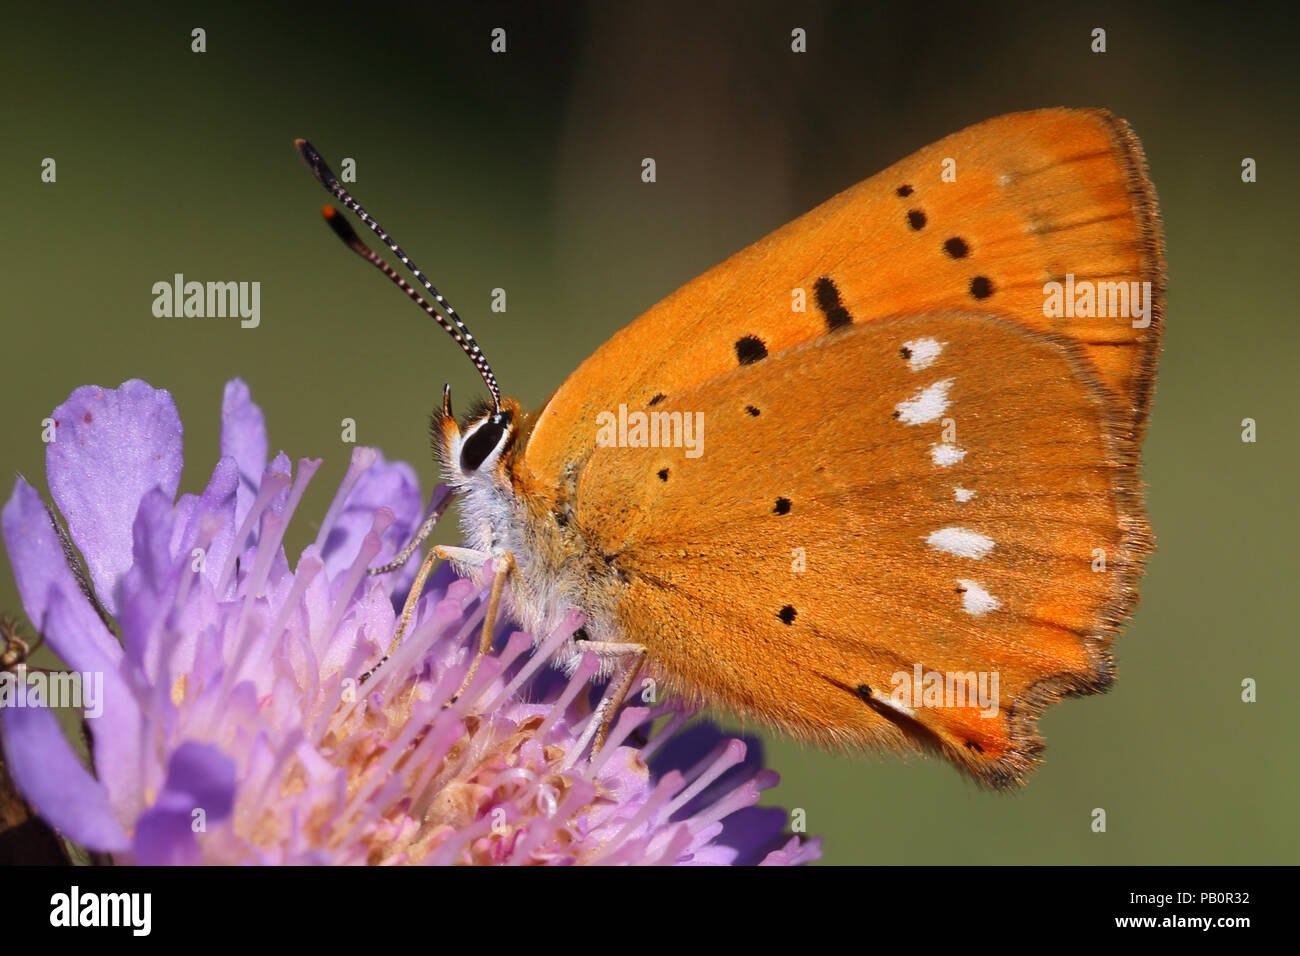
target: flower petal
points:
(243, 438)
(124, 768)
(384, 484)
(214, 509)
(204, 777)
(148, 585)
(163, 837)
(74, 631)
(754, 833)
(199, 777)
(52, 779)
(696, 746)
(796, 852)
(111, 446)
(42, 573)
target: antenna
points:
(456, 328)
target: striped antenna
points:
(456, 328)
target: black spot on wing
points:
(750, 349)
(828, 300)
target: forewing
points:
(982, 219)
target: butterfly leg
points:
(436, 553)
(628, 660)
(502, 566)
(13, 649)
(413, 545)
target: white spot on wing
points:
(894, 705)
(923, 352)
(976, 600)
(962, 542)
(946, 455)
(926, 406)
(962, 494)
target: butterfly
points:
(912, 516)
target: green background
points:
(521, 171)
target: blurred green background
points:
(521, 171)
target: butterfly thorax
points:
(556, 568)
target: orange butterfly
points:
(874, 479)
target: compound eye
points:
(481, 444)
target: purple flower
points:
(234, 725)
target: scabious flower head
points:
(235, 724)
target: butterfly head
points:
(477, 451)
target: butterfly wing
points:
(982, 219)
(958, 501)
(974, 553)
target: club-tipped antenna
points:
(455, 327)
